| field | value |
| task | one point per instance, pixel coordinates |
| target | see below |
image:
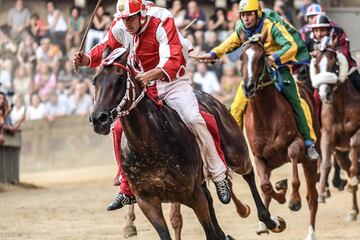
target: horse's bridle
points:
(266, 68)
(130, 87)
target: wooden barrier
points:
(68, 142)
(9, 158)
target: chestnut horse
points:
(340, 117)
(161, 158)
(272, 131)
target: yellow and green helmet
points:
(250, 6)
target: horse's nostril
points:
(103, 117)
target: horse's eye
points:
(93, 81)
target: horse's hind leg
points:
(263, 213)
(176, 219)
(129, 228)
(344, 162)
(153, 212)
(202, 205)
(310, 169)
(242, 209)
(337, 181)
(353, 181)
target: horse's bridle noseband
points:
(260, 84)
(130, 87)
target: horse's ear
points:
(264, 37)
(106, 52)
(125, 55)
(334, 44)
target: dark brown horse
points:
(340, 118)
(161, 158)
(272, 131)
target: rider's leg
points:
(308, 117)
(355, 79)
(292, 94)
(186, 105)
(125, 196)
(238, 106)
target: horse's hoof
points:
(295, 206)
(321, 198)
(340, 184)
(228, 237)
(281, 185)
(311, 234)
(352, 183)
(130, 231)
(247, 211)
(327, 192)
(351, 216)
(280, 224)
(262, 229)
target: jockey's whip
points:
(189, 25)
(87, 30)
(191, 56)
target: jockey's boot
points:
(121, 200)
(311, 153)
(223, 191)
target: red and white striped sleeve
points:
(172, 60)
(95, 54)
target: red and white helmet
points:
(127, 8)
(314, 9)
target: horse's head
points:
(328, 68)
(113, 84)
(253, 63)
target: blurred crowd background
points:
(36, 49)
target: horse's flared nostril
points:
(103, 118)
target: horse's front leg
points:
(276, 224)
(326, 149)
(310, 169)
(129, 228)
(153, 212)
(353, 181)
(202, 205)
(176, 219)
(295, 150)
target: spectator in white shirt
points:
(36, 110)
(19, 110)
(54, 108)
(80, 102)
(207, 80)
(5, 75)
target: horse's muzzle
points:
(249, 90)
(101, 122)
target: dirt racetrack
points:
(71, 205)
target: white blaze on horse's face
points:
(324, 89)
(323, 64)
(250, 54)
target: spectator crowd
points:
(36, 52)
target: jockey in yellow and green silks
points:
(285, 47)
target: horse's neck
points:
(342, 97)
(265, 102)
(135, 124)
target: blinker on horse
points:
(161, 158)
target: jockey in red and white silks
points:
(158, 45)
